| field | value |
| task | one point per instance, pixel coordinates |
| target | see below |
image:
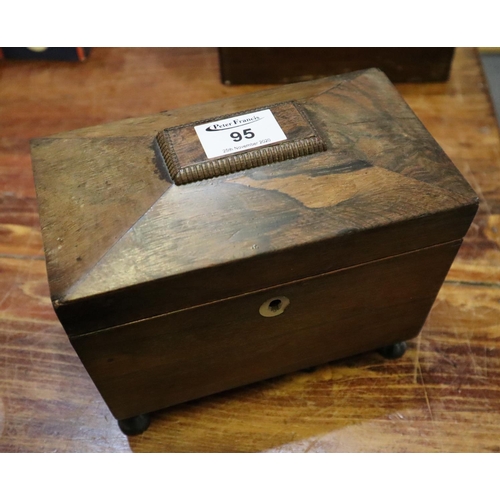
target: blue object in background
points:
(45, 53)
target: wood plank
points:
(19, 226)
(47, 402)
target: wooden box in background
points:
(278, 65)
(213, 246)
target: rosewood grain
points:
(442, 396)
(163, 303)
(382, 187)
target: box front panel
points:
(152, 364)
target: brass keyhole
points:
(274, 306)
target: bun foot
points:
(393, 351)
(134, 425)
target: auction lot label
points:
(239, 133)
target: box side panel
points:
(156, 363)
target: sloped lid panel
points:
(90, 190)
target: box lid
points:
(152, 215)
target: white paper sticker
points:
(238, 133)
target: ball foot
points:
(393, 351)
(134, 425)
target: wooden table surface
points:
(443, 395)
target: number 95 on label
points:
(239, 133)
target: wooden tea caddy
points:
(177, 275)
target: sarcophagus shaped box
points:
(208, 247)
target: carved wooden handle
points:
(182, 154)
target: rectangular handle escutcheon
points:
(231, 143)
